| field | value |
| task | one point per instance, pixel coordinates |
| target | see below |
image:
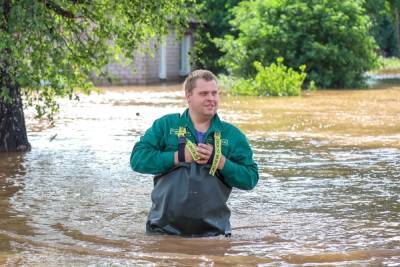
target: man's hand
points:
(188, 156)
(205, 152)
(221, 162)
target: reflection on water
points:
(12, 172)
(328, 191)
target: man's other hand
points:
(205, 151)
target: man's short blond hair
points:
(190, 81)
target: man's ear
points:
(187, 96)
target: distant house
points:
(170, 62)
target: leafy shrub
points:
(274, 80)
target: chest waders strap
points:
(217, 153)
(182, 142)
(192, 149)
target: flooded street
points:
(328, 195)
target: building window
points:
(185, 57)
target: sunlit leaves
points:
(54, 46)
(274, 80)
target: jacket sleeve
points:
(148, 155)
(240, 170)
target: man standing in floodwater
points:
(197, 159)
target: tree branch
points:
(59, 10)
(6, 6)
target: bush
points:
(330, 36)
(275, 80)
(389, 63)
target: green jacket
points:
(154, 153)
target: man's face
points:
(204, 98)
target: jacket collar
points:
(186, 121)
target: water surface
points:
(328, 192)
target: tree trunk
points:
(13, 136)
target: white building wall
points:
(145, 68)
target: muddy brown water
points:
(328, 193)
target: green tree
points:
(382, 29)
(214, 17)
(49, 48)
(394, 9)
(331, 37)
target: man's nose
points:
(210, 97)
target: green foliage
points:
(387, 65)
(389, 62)
(274, 80)
(312, 86)
(50, 48)
(330, 36)
(382, 28)
(214, 17)
(393, 6)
